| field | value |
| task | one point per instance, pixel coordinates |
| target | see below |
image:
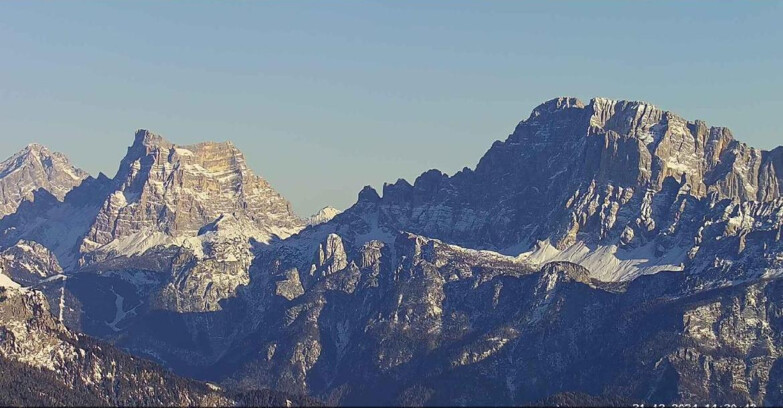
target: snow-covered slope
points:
(323, 215)
(623, 188)
(161, 195)
(28, 263)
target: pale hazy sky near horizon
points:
(326, 97)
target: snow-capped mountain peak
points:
(32, 168)
(323, 215)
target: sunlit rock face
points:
(418, 320)
(33, 168)
(577, 257)
(177, 190)
(189, 214)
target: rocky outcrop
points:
(556, 272)
(177, 190)
(27, 263)
(587, 198)
(418, 319)
(208, 269)
(34, 168)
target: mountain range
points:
(607, 252)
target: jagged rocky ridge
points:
(418, 321)
(609, 249)
(602, 184)
(177, 190)
(33, 168)
(29, 263)
(195, 209)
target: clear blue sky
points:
(326, 97)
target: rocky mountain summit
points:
(33, 168)
(609, 250)
(44, 363)
(403, 293)
(323, 215)
(177, 190)
(623, 188)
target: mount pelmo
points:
(607, 252)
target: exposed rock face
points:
(600, 184)
(177, 190)
(330, 256)
(734, 340)
(194, 211)
(609, 190)
(33, 168)
(27, 263)
(556, 272)
(418, 320)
